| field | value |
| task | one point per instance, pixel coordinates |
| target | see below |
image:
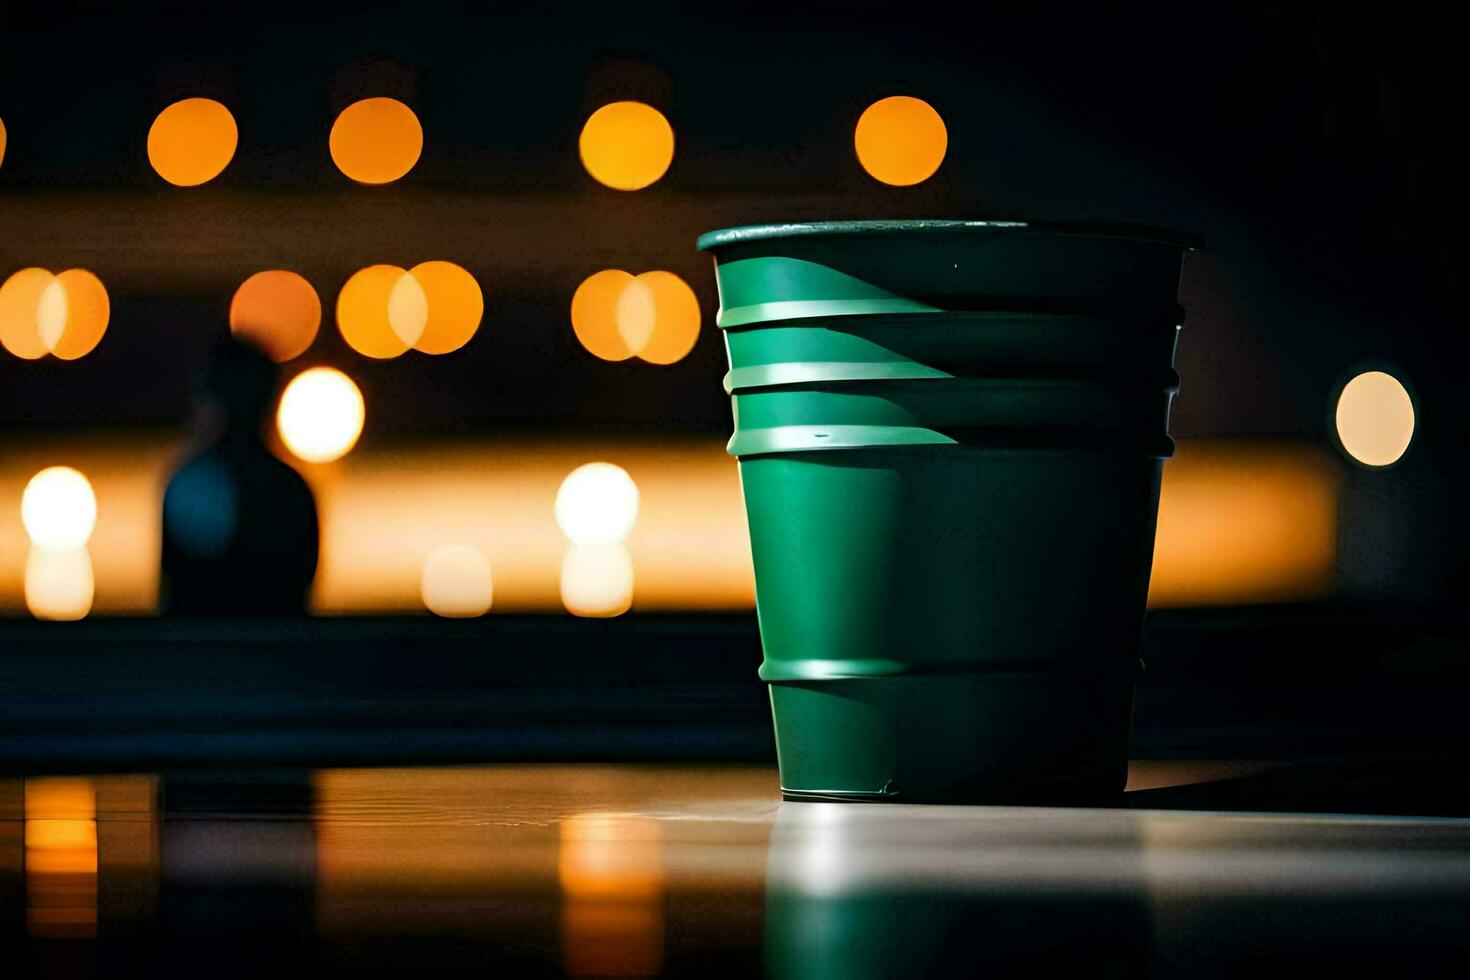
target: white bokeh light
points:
(1375, 418)
(456, 582)
(597, 504)
(58, 509)
(59, 584)
(321, 415)
(597, 580)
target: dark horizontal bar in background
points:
(1274, 682)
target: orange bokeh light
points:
(42, 314)
(376, 141)
(192, 141)
(20, 302)
(626, 145)
(278, 311)
(382, 311)
(675, 318)
(455, 303)
(654, 315)
(2, 141)
(595, 314)
(87, 313)
(901, 140)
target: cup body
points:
(951, 623)
(950, 437)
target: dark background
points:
(1320, 151)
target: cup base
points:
(980, 737)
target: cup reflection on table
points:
(853, 892)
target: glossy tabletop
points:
(700, 871)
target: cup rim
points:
(741, 234)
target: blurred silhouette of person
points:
(240, 533)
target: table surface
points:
(599, 870)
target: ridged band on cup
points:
(947, 345)
(984, 413)
(779, 288)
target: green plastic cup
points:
(951, 560)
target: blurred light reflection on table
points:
(700, 871)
